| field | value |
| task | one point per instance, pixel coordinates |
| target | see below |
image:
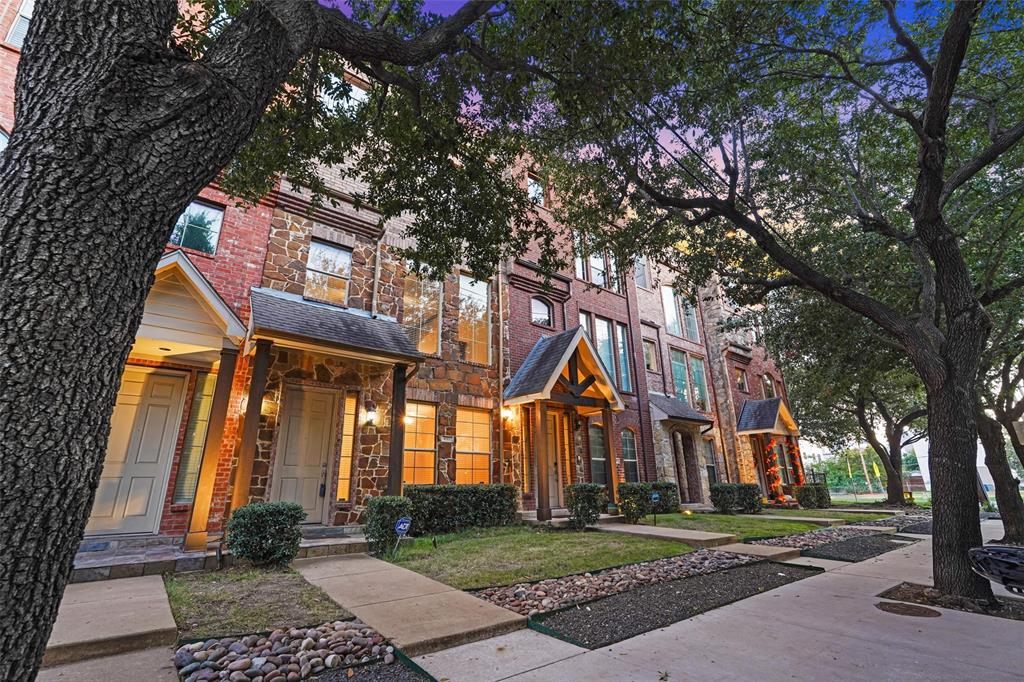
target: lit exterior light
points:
(508, 414)
(371, 412)
(688, 512)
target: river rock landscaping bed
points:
(816, 538)
(901, 523)
(648, 607)
(858, 548)
(530, 599)
(285, 655)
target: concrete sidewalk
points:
(418, 614)
(110, 617)
(821, 628)
(694, 538)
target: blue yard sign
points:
(402, 526)
(655, 497)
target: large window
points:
(585, 320)
(19, 29)
(711, 461)
(195, 439)
(472, 445)
(198, 227)
(328, 270)
(768, 384)
(741, 380)
(673, 325)
(603, 342)
(420, 443)
(595, 266)
(348, 444)
(700, 383)
(690, 322)
(640, 273)
(474, 334)
(650, 355)
(598, 455)
(536, 189)
(421, 313)
(598, 269)
(784, 464)
(541, 312)
(629, 462)
(622, 351)
(679, 378)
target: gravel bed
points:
(649, 607)
(285, 655)
(922, 528)
(375, 672)
(816, 538)
(547, 595)
(858, 548)
(900, 523)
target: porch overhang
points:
(565, 368)
(766, 416)
(293, 322)
(667, 408)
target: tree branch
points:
(908, 44)
(1003, 143)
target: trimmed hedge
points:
(669, 502)
(381, 515)
(585, 502)
(266, 533)
(744, 498)
(634, 501)
(447, 508)
(813, 496)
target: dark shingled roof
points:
(540, 365)
(759, 415)
(275, 312)
(677, 409)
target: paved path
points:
(418, 614)
(822, 628)
(151, 665)
(694, 538)
(819, 520)
(109, 617)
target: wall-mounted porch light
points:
(371, 413)
(508, 414)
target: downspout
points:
(501, 375)
(376, 278)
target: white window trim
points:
(22, 13)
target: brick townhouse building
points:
(287, 353)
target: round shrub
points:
(669, 501)
(585, 501)
(748, 498)
(634, 500)
(813, 496)
(723, 497)
(266, 533)
(381, 515)
(446, 508)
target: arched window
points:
(541, 312)
(629, 462)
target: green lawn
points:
(744, 526)
(827, 514)
(483, 557)
(241, 601)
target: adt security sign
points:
(402, 526)
(655, 497)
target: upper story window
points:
(421, 313)
(343, 96)
(474, 328)
(198, 227)
(19, 29)
(537, 189)
(541, 312)
(629, 459)
(611, 340)
(741, 380)
(622, 355)
(650, 355)
(768, 384)
(3, 141)
(680, 316)
(328, 271)
(640, 273)
(700, 383)
(680, 379)
(595, 266)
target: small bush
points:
(381, 515)
(748, 498)
(266, 533)
(669, 502)
(813, 496)
(585, 501)
(447, 508)
(723, 497)
(634, 500)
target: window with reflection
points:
(541, 312)
(421, 313)
(474, 329)
(198, 227)
(328, 271)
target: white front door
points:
(143, 434)
(306, 438)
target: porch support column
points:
(679, 455)
(610, 467)
(196, 537)
(540, 447)
(396, 452)
(251, 426)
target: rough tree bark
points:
(116, 131)
(1011, 506)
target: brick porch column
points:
(396, 452)
(251, 426)
(540, 448)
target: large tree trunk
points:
(1011, 506)
(894, 470)
(1015, 441)
(952, 452)
(115, 134)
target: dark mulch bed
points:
(620, 616)
(1012, 609)
(375, 672)
(858, 548)
(923, 528)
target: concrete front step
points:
(694, 538)
(318, 532)
(818, 520)
(875, 529)
(112, 617)
(763, 551)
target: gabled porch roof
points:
(766, 416)
(564, 367)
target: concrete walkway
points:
(110, 617)
(418, 614)
(694, 538)
(811, 518)
(822, 628)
